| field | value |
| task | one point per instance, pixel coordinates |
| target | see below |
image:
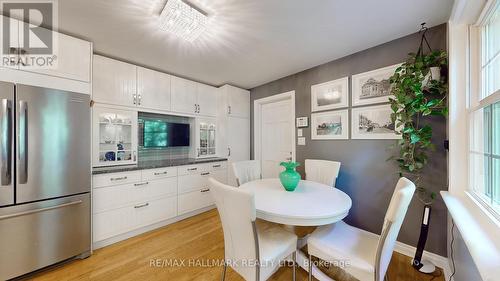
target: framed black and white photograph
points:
(331, 125)
(373, 122)
(372, 86)
(330, 95)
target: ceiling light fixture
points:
(183, 20)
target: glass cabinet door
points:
(115, 137)
(206, 138)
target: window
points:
(484, 112)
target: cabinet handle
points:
(139, 99)
(141, 205)
(119, 179)
(140, 184)
(228, 151)
(135, 98)
(192, 169)
(205, 174)
(216, 166)
(135, 157)
(195, 108)
(162, 173)
(205, 190)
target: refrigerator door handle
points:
(40, 210)
(23, 142)
(6, 148)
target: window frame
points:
(475, 100)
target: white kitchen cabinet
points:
(193, 98)
(153, 89)
(206, 130)
(184, 96)
(113, 82)
(10, 55)
(73, 59)
(234, 101)
(238, 143)
(72, 56)
(128, 201)
(114, 136)
(207, 100)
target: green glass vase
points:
(289, 177)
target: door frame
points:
(257, 125)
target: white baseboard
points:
(106, 242)
(436, 259)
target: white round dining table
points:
(310, 204)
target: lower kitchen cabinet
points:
(128, 201)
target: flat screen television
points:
(160, 134)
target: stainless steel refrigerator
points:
(45, 177)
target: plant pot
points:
(434, 74)
(289, 177)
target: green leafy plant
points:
(418, 92)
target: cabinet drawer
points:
(192, 169)
(113, 197)
(112, 223)
(115, 222)
(155, 211)
(116, 178)
(197, 182)
(194, 200)
(216, 166)
(159, 173)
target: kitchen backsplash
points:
(151, 154)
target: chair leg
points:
(224, 272)
(294, 259)
(310, 268)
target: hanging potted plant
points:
(420, 89)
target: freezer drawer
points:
(36, 235)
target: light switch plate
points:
(300, 132)
(301, 141)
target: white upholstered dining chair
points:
(253, 253)
(246, 171)
(322, 171)
(368, 254)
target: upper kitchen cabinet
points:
(207, 100)
(114, 82)
(234, 101)
(72, 58)
(193, 98)
(184, 96)
(153, 89)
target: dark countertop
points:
(144, 165)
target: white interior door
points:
(276, 136)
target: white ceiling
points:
(248, 42)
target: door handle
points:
(6, 148)
(23, 142)
(40, 210)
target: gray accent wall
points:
(365, 175)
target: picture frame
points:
(330, 125)
(330, 95)
(373, 122)
(373, 86)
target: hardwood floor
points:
(196, 241)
